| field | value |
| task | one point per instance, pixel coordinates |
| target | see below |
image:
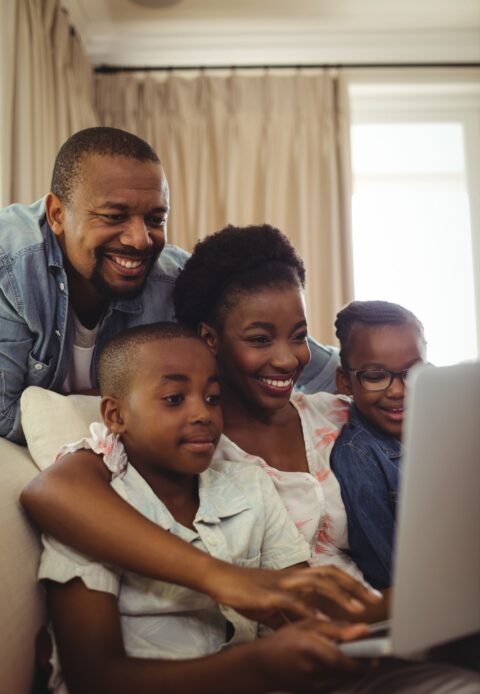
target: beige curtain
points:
(245, 148)
(47, 94)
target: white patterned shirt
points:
(240, 519)
(313, 498)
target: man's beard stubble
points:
(112, 293)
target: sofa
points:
(48, 419)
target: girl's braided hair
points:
(371, 313)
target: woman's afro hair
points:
(235, 260)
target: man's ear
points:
(342, 379)
(55, 211)
(111, 411)
(210, 336)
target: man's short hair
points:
(100, 140)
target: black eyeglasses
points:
(378, 379)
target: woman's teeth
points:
(276, 383)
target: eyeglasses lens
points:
(375, 380)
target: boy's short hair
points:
(119, 357)
(235, 260)
(101, 140)
(371, 313)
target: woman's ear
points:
(342, 379)
(111, 411)
(210, 336)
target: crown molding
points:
(190, 47)
(274, 41)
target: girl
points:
(379, 343)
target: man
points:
(85, 262)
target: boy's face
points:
(391, 347)
(172, 418)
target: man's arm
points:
(16, 343)
(89, 640)
(319, 374)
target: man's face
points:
(115, 226)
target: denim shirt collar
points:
(54, 252)
(392, 447)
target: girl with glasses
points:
(379, 343)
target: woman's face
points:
(262, 347)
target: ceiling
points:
(276, 32)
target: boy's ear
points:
(342, 379)
(55, 211)
(210, 336)
(111, 411)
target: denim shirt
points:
(366, 463)
(36, 325)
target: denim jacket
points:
(36, 326)
(366, 463)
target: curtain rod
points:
(110, 69)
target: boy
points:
(113, 628)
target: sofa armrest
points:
(21, 598)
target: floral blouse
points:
(313, 498)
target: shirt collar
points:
(54, 252)
(390, 445)
(219, 497)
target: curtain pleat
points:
(48, 84)
(245, 148)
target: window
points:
(413, 209)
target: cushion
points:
(21, 598)
(50, 420)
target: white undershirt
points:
(78, 376)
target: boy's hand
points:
(304, 656)
(261, 594)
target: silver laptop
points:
(436, 596)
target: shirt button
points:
(62, 286)
(38, 367)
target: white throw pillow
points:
(50, 420)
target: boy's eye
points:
(175, 399)
(212, 400)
